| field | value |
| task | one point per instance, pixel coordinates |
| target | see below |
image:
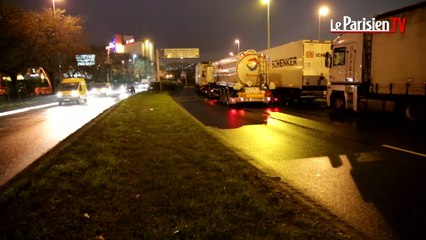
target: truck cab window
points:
(339, 55)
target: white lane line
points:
(27, 109)
(404, 150)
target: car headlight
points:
(59, 94)
(74, 93)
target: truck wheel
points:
(60, 103)
(413, 112)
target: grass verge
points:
(147, 170)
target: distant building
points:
(127, 44)
(118, 42)
(143, 48)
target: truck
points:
(298, 70)
(72, 90)
(44, 85)
(243, 78)
(382, 71)
(32, 83)
(205, 83)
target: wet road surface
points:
(342, 164)
(27, 136)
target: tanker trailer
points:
(243, 78)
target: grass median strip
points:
(147, 170)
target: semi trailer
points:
(205, 83)
(382, 71)
(298, 70)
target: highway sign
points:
(180, 53)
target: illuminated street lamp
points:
(268, 2)
(238, 45)
(323, 11)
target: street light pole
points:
(181, 65)
(54, 9)
(181, 72)
(319, 26)
(323, 11)
(238, 45)
(157, 60)
(268, 2)
(59, 54)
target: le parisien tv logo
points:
(347, 25)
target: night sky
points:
(212, 25)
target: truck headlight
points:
(59, 94)
(74, 93)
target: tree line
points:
(38, 39)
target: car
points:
(143, 85)
(101, 89)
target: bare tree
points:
(32, 39)
(16, 42)
(60, 38)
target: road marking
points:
(27, 109)
(404, 150)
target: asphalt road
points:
(349, 165)
(369, 169)
(28, 135)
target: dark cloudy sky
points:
(212, 25)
